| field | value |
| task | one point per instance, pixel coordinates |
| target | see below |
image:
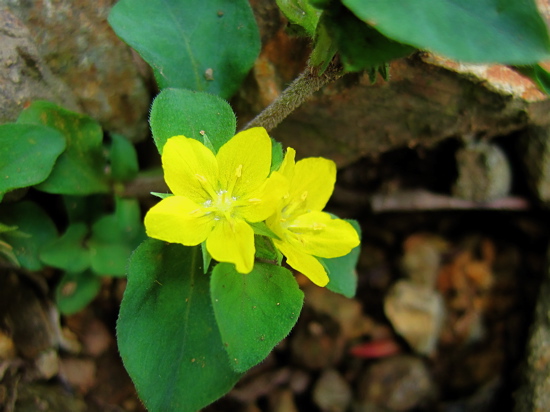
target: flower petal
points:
(303, 263)
(190, 168)
(177, 219)
(245, 161)
(287, 166)
(265, 201)
(233, 242)
(318, 234)
(313, 180)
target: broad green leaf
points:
(476, 31)
(27, 154)
(302, 13)
(360, 46)
(79, 170)
(266, 250)
(69, 252)
(123, 157)
(35, 229)
(254, 311)
(167, 334)
(75, 291)
(341, 270)
(183, 112)
(193, 44)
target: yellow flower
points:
(305, 232)
(215, 196)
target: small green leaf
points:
(167, 334)
(266, 250)
(162, 195)
(35, 229)
(325, 46)
(79, 170)
(204, 46)
(183, 112)
(123, 157)
(537, 74)
(360, 46)
(254, 311)
(476, 31)
(302, 13)
(114, 237)
(84, 208)
(260, 228)
(27, 154)
(277, 155)
(69, 252)
(75, 291)
(341, 270)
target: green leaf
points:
(79, 170)
(123, 157)
(75, 291)
(167, 334)
(537, 74)
(84, 208)
(266, 250)
(27, 154)
(114, 237)
(277, 155)
(341, 270)
(183, 112)
(325, 46)
(302, 13)
(476, 31)
(68, 252)
(254, 311)
(35, 229)
(193, 44)
(260, 228)
(360, 46)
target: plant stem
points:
(294, 95)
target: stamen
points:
(201, 178)
(239, 171)
(304, 196)
(255, 200)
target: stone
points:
(78, 45)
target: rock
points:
(399, 383)
(417, 313)
(332, 392)
(79, 46)
(484, 172)
(24, 76)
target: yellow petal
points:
(265, 201)
(287, 166)
(313, 181)
(190, 168)
(303, 263)
(233, 242)
(244, 161)
(177, 219)
(316, 233)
